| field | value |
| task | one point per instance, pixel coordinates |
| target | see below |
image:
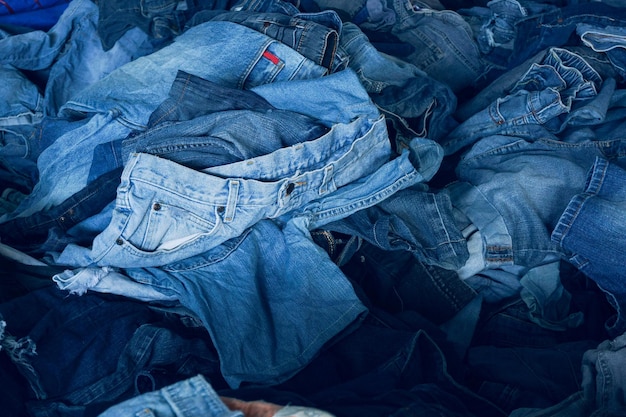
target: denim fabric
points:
(495, 27)
(395, 281)
(30, 233)
(555, 28)
(78, 352)
(548, 301)
(66, 335)
(243, 292)
(193, 397)
(118, 112)
(161, 19)
(287, 7)
(416, 380)
(262, 362)
(442, 44)
(610, 40)
(551, 94)
(33, 17)
(597, 208)
(601, 389)
(507, 179)
(412, 220)
(203, 125)
(18, 116)
(515, 377)
(75, 32)
(220, 202)
(315, 36)
(189, 97)
(414, 104)
(249, 252)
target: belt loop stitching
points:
(231, 204)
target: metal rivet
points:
(156, 207)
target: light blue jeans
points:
(193, 397)
(122, 102)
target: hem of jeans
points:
(568, 218)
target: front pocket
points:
(166, 226)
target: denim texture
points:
(114, 114)
(546, 28)
(315, 36)
(225, 200)
(202, 125)
(440, 40)
(415, 104)
(276, 304)
(534, 192)
(162, 20)
(65, 365)
(188, 398)
(597, 254)
(550, 94)
(377, 207)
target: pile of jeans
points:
(371, 207)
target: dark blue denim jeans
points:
(79, 351)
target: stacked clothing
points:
(373, 207)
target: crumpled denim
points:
(220, 202)
(162, 20)
(57, 344)
(439, 41)
(74, 32)
(553, 27)
(415, 104)
(590, 233)
(211, 127)
(601, 389)
(553, 93)
(243, 292)
(192, 397)
(507, 178)
(115, 113)
(314, 35)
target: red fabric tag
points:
(273, 58)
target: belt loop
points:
(327, 180)
(231, 204)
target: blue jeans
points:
(57, 344)
(442, 44)
(220, 202)
(191, 397)
(265, 286)
(553, 93)
(50, 230)
(203, 125)
(601, 388)
(413, 103)
(590, 233)
(18, 118)
(507, 178)
(74, 32)
(554, 28)
(412, 220)
(115, 113)
(315, 36)
(162, 20)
